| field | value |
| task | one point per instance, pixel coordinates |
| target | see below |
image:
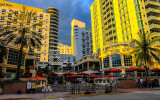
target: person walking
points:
(149, 82)
(141, 83)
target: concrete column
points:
(133, 62)
(102, 64)
(122, 60)
(88, 65)
(110, 61)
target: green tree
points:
(20, 34)
(145, 51)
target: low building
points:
(67, 62)
(88, 64)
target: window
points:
(38, 56)
(34, 27)
(3, 10)
(13, 57)
(106, 62)
(116, 61)
(127, 60)
(16, 12)
(9, 15)
(2, 19)
(35, 19)
(8, 23)
(41, 16)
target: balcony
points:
(154, 26)
(151, 3)
(156, 34)
(153, 11)
(154, 19)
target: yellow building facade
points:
(115, 23)
(64, 49)
(42, 52)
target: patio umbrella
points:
(28, 73)
(92, 76)
(82, 74)
(141, 70)
(38, 78)
(40, 73)
(110, 75)
(115, 70)
(131, 69)
(74, 76)
(155, 70)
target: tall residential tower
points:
(116, 22)
(81, 39)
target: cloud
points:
(68, 10)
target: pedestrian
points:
(141, 83)
(149, 82)
(138, 83)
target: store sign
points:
(6, 4)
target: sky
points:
(68, 10)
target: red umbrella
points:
(115, 70)
(155, 70)
(38, 77)
(110, 75)
(141, 70)
(131, 69)
(74, 76)
(28, 73)
(82, 74)
(40, 73)
(68, 74)
(92, 76)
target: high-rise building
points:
(81, 39)
(54, 57)
(49, 29)
(64, 49)
(116, 22)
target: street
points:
(144, 95)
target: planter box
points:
(14, 88)
(126, 84)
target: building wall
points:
(66, 59)
(120, 20)
(64, 49)
(82, 40)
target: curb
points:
(17, 99)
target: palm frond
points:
(155, 57)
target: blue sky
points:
(68, 10)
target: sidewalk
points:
(65, 94)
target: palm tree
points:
(19, 33)
(145, 51)
(3, 49)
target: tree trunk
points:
(18, 74)
(146, 72)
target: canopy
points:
(110, 75)
(141, 70)
(155, 70)
(68, 74)
(74, 76)
(115, 70)
(131, 69)
(93, 76)
(38, 78)
(82, 74)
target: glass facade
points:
(106, 62)
(116, 61)
(13, 57)
(127, 60)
